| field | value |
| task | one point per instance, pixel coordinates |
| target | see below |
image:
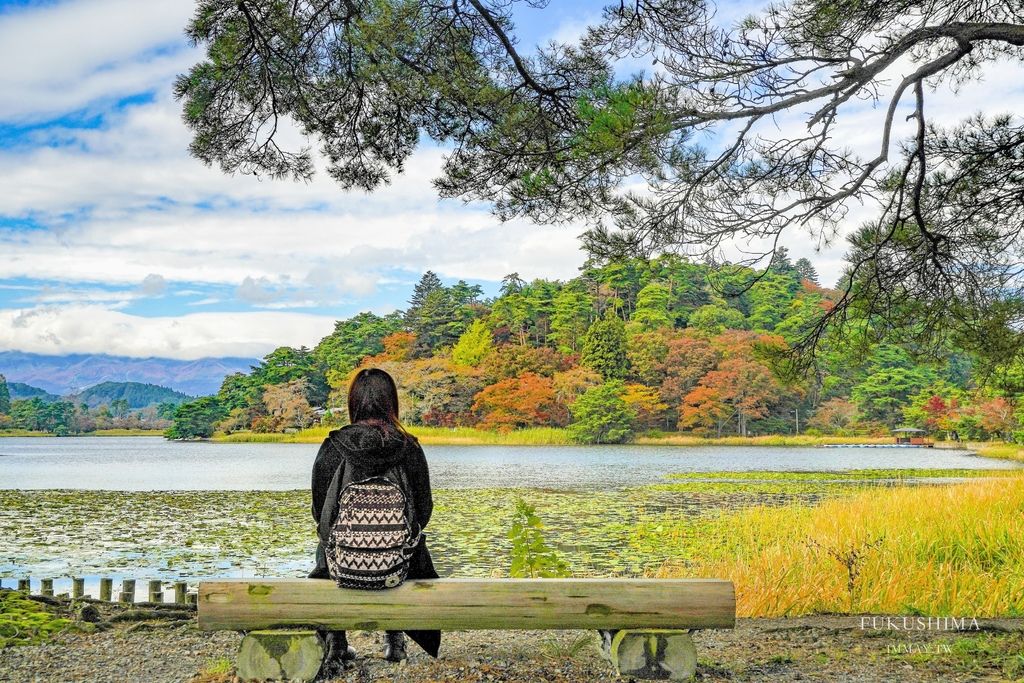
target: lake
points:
(144, 506)
(155, 464)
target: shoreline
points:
(28, 434)
(555, 436)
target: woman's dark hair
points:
(373, 398)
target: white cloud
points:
(144, 194)
(97, 329)
(64, 56)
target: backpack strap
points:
(323, 529)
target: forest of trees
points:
(626, 347)
(110, 405)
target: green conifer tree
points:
(5, 396)
(604, 348)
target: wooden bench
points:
(651, 618)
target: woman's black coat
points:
(364, 451)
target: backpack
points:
(371, 540)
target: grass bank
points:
(549, 436)
(1006, 451)
(126, 432)
(928, 550)
(27, 622)
(98, 432)
(437, 436)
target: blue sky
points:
(112, 239)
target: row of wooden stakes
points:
(126, 595)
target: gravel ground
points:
(800, 649)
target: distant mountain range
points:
(72, 374)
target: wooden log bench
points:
(651, 619)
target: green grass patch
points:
(27, 622)
(126, 432)
(974, 653)
(22, 432)
(216, 671)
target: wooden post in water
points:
(180, 590)
(46, 587)
(155, 591)
(106, 589)
(25, 585)
(192, 598)
(127, 591)
(77, 588)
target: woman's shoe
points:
(330, 669)
(336, 644)
(394, 646)
(338, 652)
(334, 665)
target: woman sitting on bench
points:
(373, 451)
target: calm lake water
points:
(153, 463)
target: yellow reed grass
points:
(955, 550)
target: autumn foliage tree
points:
(398, 347)
(528, 400)
(997, 416)
(646, 404)
(287, 405)
(688, 358)
(834, 416)
(703, 410)
(746, 387)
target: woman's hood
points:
(369, 444)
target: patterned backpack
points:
(371, 541)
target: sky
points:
(114, 240)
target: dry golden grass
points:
(933, 550)
(1009, 451)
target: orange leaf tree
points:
(525, 401)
